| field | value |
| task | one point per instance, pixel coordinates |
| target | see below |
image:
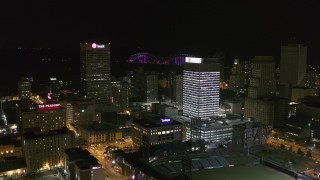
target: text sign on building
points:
(166, 120)
(45, 107)
(96, 167)
(193, 60)
(99, 46)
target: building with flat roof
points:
(177, 91)
(99, 133)
(24, 89)
(13, 167)
(10, 145)
(262, 85)
(44, 150)
(158, 130)
(300, 92)
(217, 131)
(295, 57)
(144, 86)
(201, 80)
(84, 111)
(246, 136)
(45, 116)
(12, 162)
(95, 72)
(81, 165)
(235, 77)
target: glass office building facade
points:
(95, 72)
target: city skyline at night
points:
(159, 90)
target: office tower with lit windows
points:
(95, 72)
(201, 79)
(24, 88)
(293, 65)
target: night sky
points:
(242, 28)
(238, 28)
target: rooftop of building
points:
(87, 163)
(97, 126)
(240, 172)
(35, 135)
(155, 122)
(168, 168)
(76, 154)
(263, 59)
(303, 88)
(35, 108)
(250, 124)
(12, 163)
(222, 122)
(82, 158)
(11, 140)
(311, 101)
(134, 159)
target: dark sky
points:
(244, 28)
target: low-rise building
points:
(96, 135)
(215, 132)
(235, 106)
(10, 146)
(158, 130)
(301, 92)
(246, 136)
(12, 162)
(84, 111)
(81, 165)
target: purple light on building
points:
(166, 121)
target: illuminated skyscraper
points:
(95, 72)
(201, 78)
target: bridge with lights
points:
(147, 58)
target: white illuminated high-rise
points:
(201, 79)
(95, 72)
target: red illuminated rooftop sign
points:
(46, 107)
